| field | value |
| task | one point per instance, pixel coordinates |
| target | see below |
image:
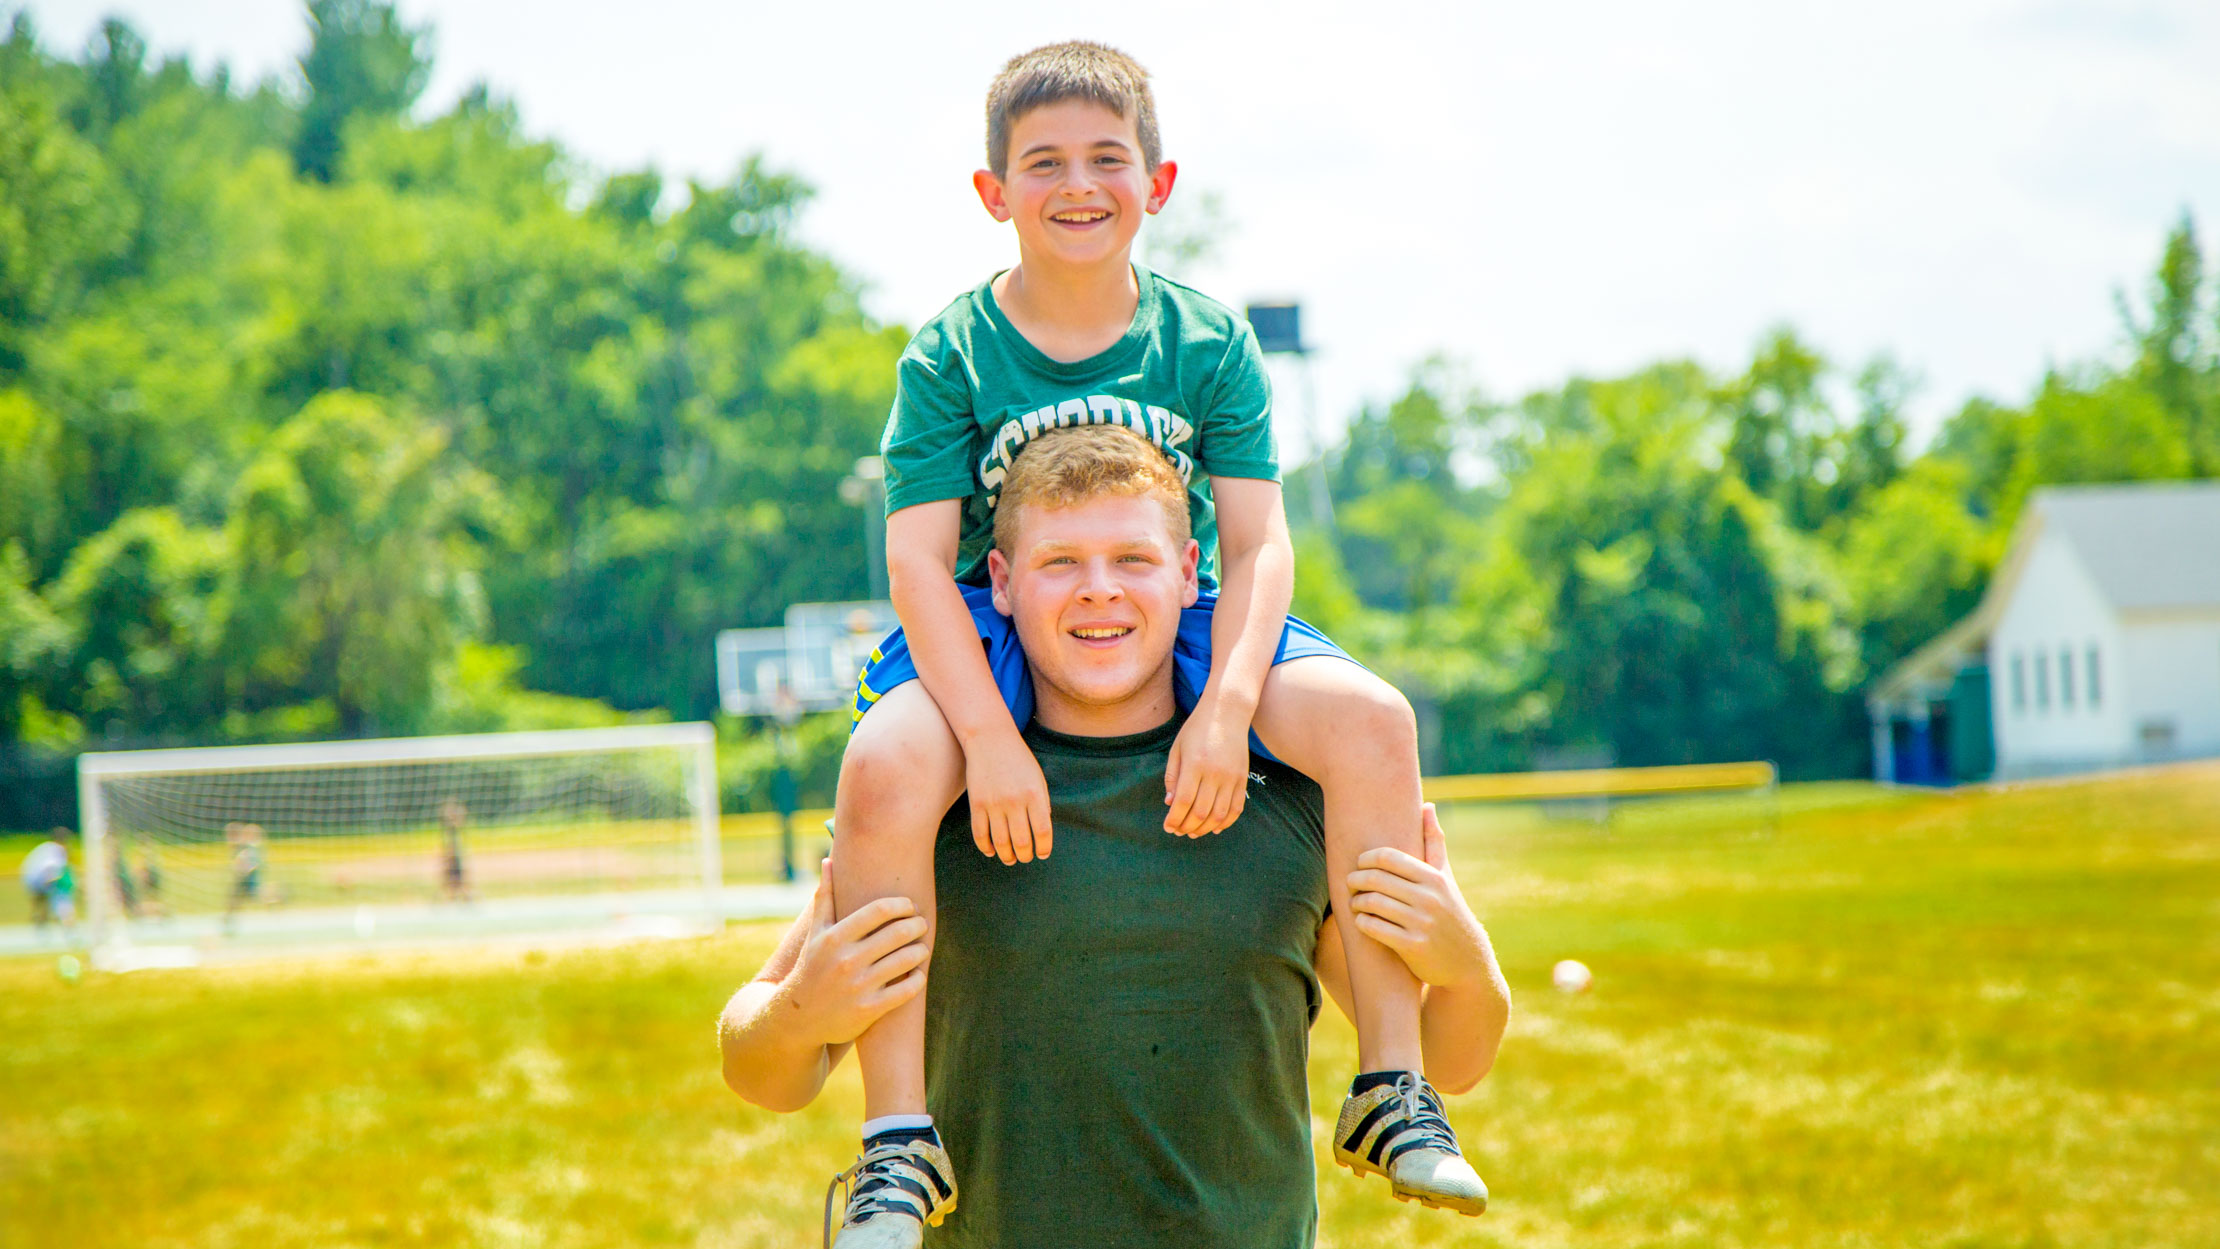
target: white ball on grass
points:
(1571, 976)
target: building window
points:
(2089, 675)
(2042, 680)
(2066, 678)
(2019, 684)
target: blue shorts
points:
(891, 665)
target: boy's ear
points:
(1190, 583)
(989, 188)
(1160, 185)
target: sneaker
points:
(894, 1190)
(1399, 1130)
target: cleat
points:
(895, 1190)
(1399, 1131)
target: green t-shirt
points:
(970, 391)
(1116, 1035)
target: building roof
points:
(2147, 545)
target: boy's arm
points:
(1416, 909)
(1009, 796)
(1207, 781)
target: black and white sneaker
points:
(1400, 1131)
(894, 1190)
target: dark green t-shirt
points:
(970, 391)
(1116, 1036)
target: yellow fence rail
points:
(1602, 782)
(1689, 778)
(809, 823)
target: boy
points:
(1078, 334)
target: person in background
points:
(46, 878)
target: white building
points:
(2096, 645)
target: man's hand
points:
(1009, 799)
(1206, 783)
(852, 971)
(1416, 910)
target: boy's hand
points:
(1416, 910)
(1206, 783)
(1009, 799)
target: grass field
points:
(404, 867)
(1980, 1019)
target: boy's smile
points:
(1076, 187)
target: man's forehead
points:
(1096, 541)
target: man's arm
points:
(1009, 797)
(1416, 909)
(786, 1029)
(1209, 774)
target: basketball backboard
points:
(811, 661)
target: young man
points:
(1076, 334)
(1118, 1030)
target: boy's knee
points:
(1380, 719)
(892, 770)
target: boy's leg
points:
(1355, 735)
(902, 771)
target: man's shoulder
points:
(1286, 793)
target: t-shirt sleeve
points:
(1234, 437)
(927, 447)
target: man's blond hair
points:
(1077, 70)
(1066, 467)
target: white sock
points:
(896, 1123)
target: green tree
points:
(362, 63)
(2175, 346)
(351, 575)
(137, 599)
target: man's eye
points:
(1135, 559)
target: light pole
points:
(865, 487)
(1279, 332)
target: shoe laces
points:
(873, 1165)
(1423, 1114)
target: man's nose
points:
(1100, 583)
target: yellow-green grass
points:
(1969, 1019)
(405, 865)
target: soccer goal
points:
(403, 838)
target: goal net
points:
(428, 837)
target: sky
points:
(1530, 191)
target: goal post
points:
(400, 838)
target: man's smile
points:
(1100, 635)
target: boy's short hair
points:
(1064, 467)
(1077, 70)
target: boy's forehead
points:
(1076, 121)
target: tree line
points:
(321, 418)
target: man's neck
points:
(1146, 709)
(1070, 313)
